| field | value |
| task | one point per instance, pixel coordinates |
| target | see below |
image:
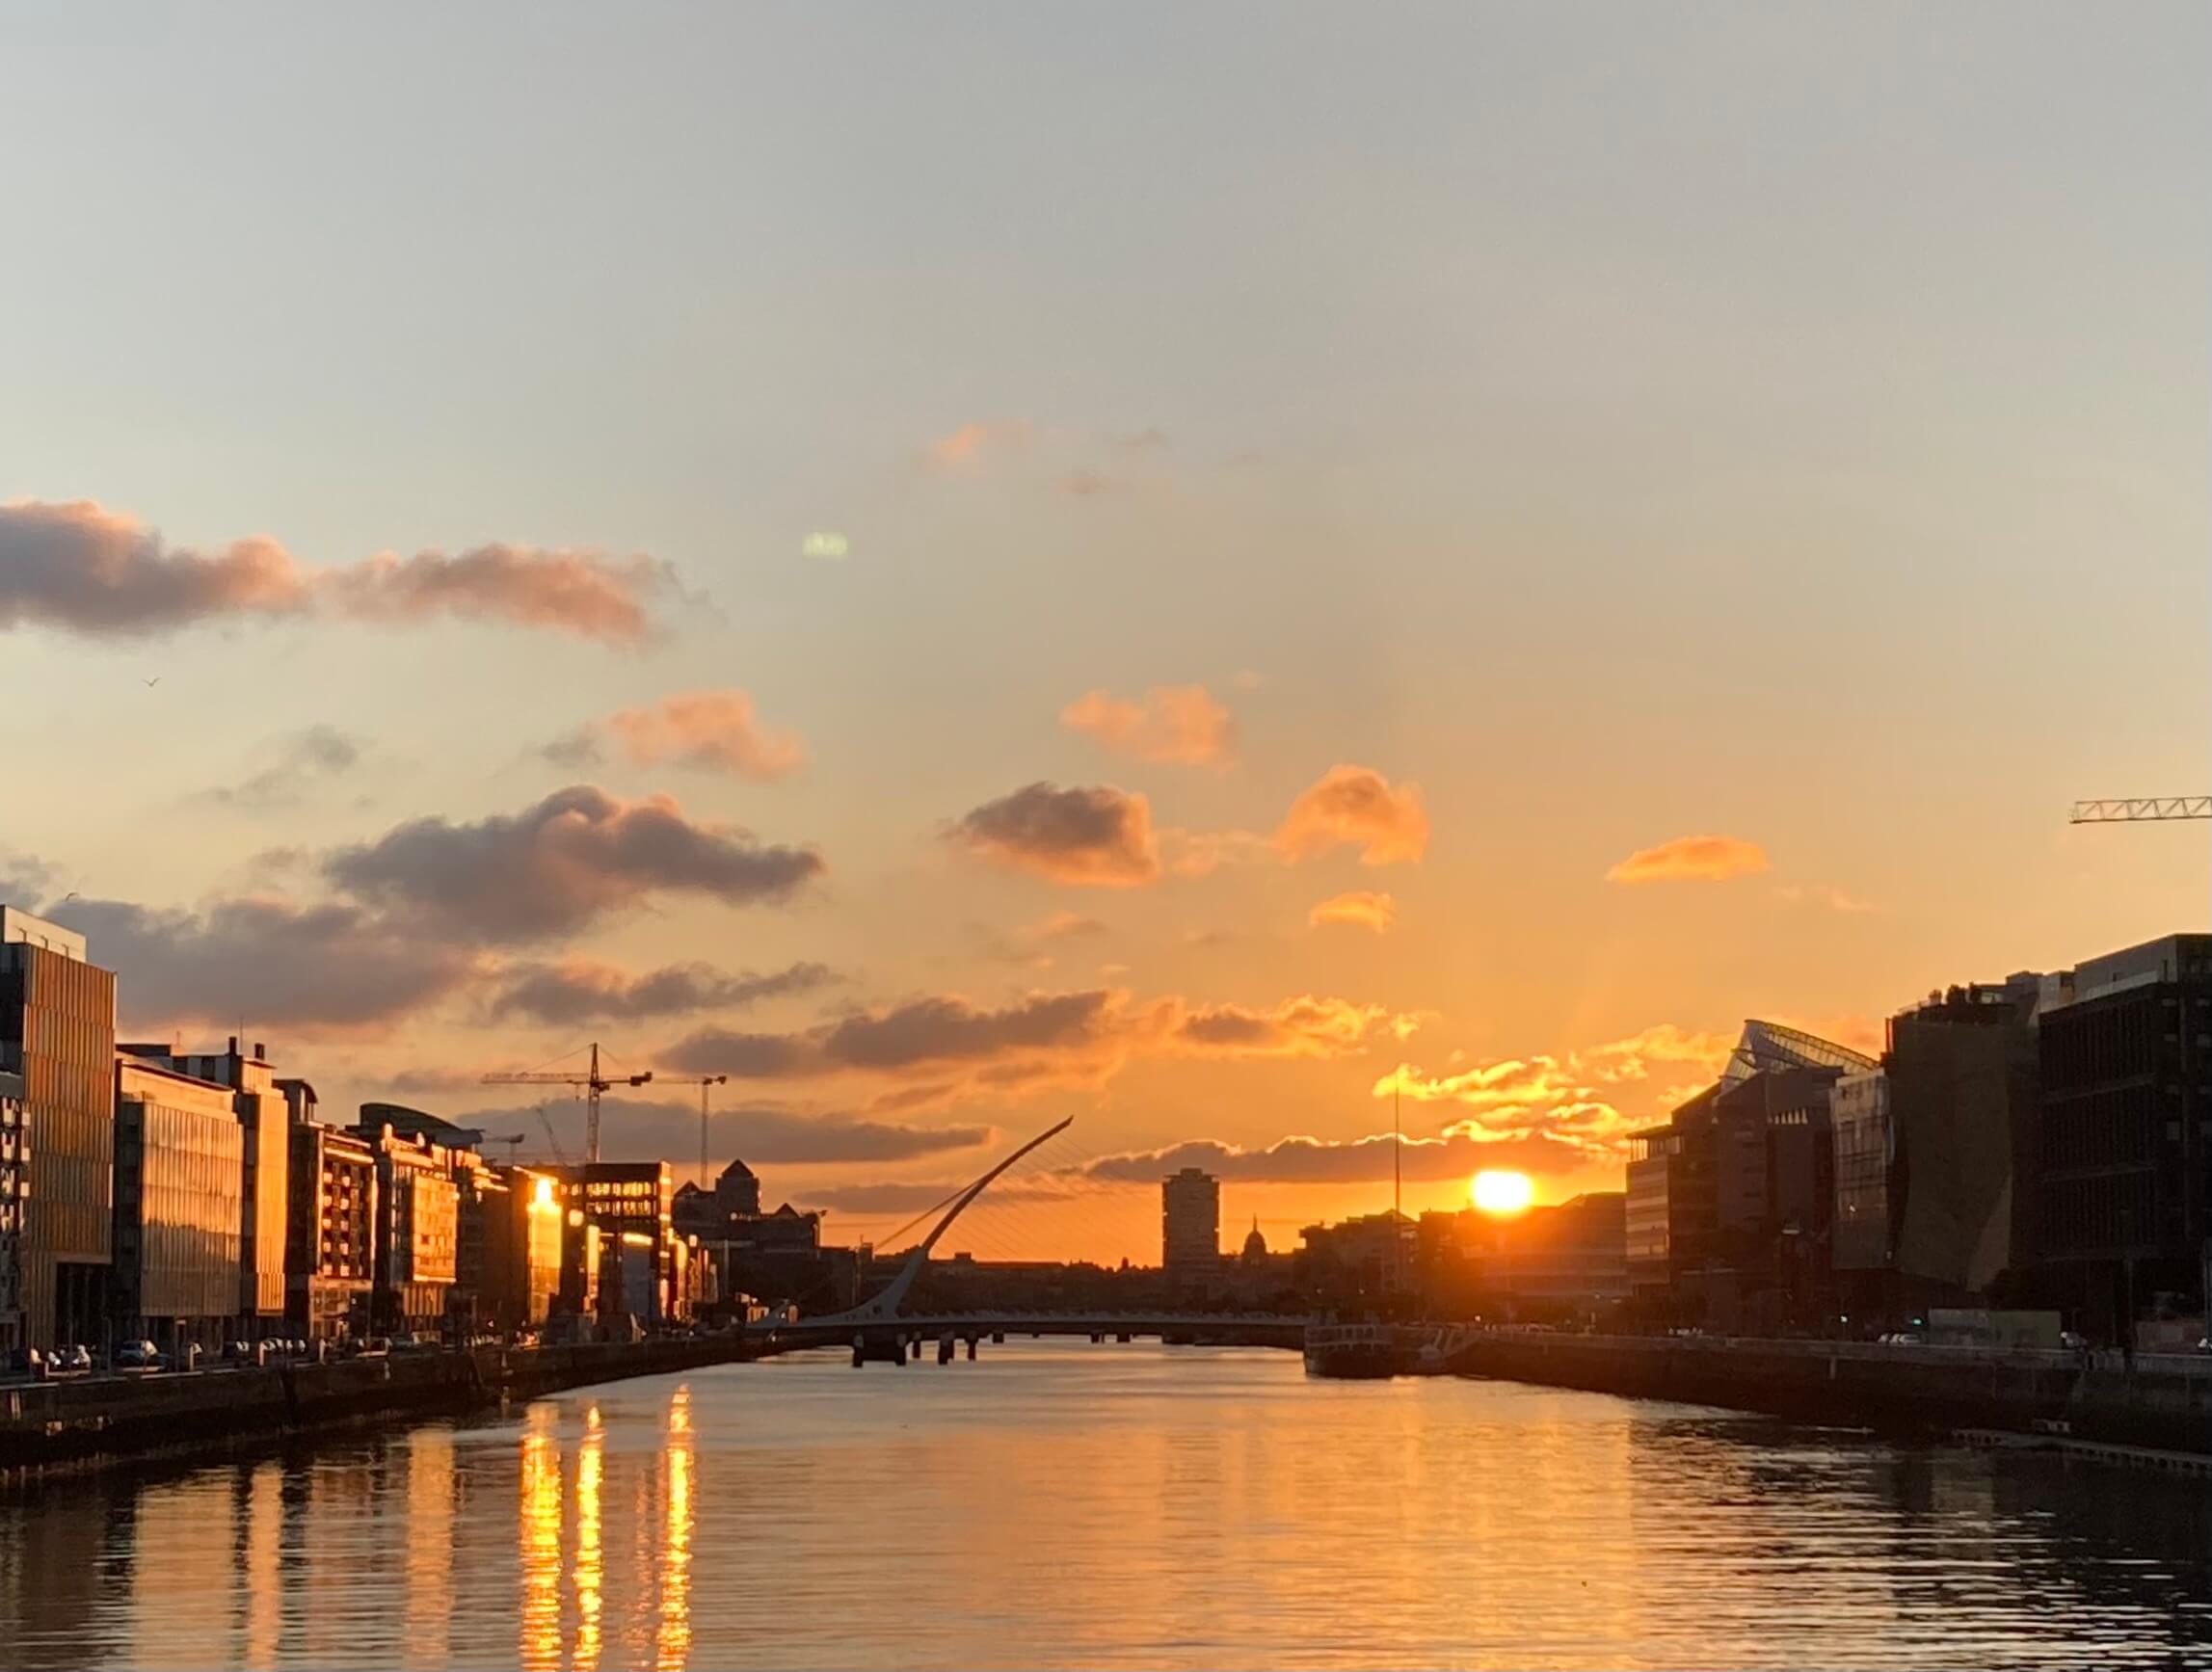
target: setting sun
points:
(1501, 1192)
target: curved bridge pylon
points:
(883, 1307)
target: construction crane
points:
(2140, 808)
(552, 1137)
(592, 1084)
(702, 1081)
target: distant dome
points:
(1255, 1245)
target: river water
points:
(1108, 1505)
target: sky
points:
(1191, 567)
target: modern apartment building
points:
(57, 1034)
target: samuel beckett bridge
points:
(880, 1330)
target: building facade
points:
(330, 1253)
(2124, 1135)
(417, 1233)
(57, 1034)
(15, 1187)
(1730, 1205)
(180, 1207)
(264, 1117)
(1190, 1224)
(632, 1206)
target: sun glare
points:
(1501, 1192)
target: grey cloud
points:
(559, 994)
(265, 962)
(558, 866)
(1096, 837)
(744, 1055)
(920, 1032)
(639, 1129)
(82, 568)
(576, 749)
(319, 752)
(951, 1029)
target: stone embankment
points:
(2159, 1400)
(83, 1421)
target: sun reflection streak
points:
(673, 1644)
(541, 1649)
(589, 1571)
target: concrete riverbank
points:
(75, 1423)
(2161, 1401)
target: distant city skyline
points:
(1259, 562)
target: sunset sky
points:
(1175, 566)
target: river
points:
(1056, 1505)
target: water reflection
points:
(541, 1543)
(1108, 1507)
(672, 1647)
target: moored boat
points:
(1363, 1351)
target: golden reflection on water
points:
(672, 1642)
(541, 1543)
(1106, 1506)
(591, 1461)
(429, 1573)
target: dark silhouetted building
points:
(1190, 1224)
(2125, 1134)
(58, 1033)
(1731, 1204)
(1927, 1192)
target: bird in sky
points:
(153, 682)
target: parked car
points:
(418, 1343)
(2073, 1340)
(138, 1356)
(72, 1360)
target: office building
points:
(631, 1206)
(13, 1188)
(1190, 1224)
(330, 1255)
(179, 1211)
(264, 1120)
(507, 1264)
(417, 1233)
(1928, 1211)
(1372, 1255)
(2125, 1135)
(57, 1034)
(1731, 1203)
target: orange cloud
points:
(967, 444)
(1571, 1100)
(1096, 837)
(1711, 858)
(1356, 807)
(716, 730)
(1361, 908)
(1174, 723)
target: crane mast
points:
(592, 1083)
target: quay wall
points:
(83, 1421)
(2160, 1400)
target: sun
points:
(1501, 1192)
